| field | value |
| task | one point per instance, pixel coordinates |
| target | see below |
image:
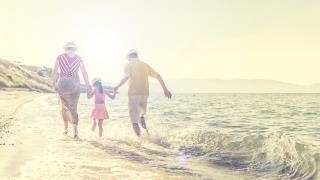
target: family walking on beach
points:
(66, 82)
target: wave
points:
(274, 155)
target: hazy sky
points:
(270, 39)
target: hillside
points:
(13, 75)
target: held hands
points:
(111, 95)
(115, 90)
(89, 88)
(89, 91)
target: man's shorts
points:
(137, 107)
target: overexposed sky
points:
(270, 39)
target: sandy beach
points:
(11, 149)
(31, 150)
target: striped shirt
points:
(69, 66)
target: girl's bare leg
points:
(100, 127)
(94, 125)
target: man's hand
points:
(167, 93)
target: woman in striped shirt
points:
(66, 82)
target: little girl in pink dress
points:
(99, 111)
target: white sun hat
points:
(71, 44)
(132, 51)
(94, 80)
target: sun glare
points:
(102, 50)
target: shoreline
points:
(10, 102)
(35, 147)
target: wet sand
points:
(11, 153)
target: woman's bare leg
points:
(65, 127)
(100, 123)
(94, 125)
(73, 108)
(75, 128)
(75, 123)
(66, 119)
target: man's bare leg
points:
(143, 124)
(136, 128)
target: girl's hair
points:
(99, 86)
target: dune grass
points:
(15, 76)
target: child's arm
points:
(91, 93)
(111, 96)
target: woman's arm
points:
(54, 75)
(91, 93)
(85, 76)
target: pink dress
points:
(99, 111)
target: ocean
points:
(193, 136)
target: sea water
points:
(193, 136)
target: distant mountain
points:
(34, 78)
(235, 86)
(14, 75)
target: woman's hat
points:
(70, 45)
(94, 80)
(132, 52)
